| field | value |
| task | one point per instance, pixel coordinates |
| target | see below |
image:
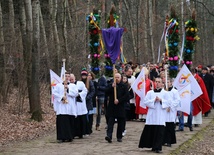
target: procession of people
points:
(78, 102)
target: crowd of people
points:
(76, 102)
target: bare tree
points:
(36, 105)
(54, 5)
(44, 36)
(144, 24)
(151, 30)
(2, 57)
(132, 30)
(27, 47)
(64, 29)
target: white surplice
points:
(156, 111)
(69, 108)
(174, 102)
(81, 106)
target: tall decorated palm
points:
(112, 39)
(190, 40)
(111, 22)
(94, 23)
(172, 44)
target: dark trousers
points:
(120, 127)
(152, 137)
(89, 123)
(131, 113)
(65, 127)
(80, 125)
(169, 133)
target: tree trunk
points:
(27, 49)
(145, 36)
(132, 31)
(2, 57)
(56, 37)
(69, 15)
(138, 42)
(64, 30)
(36, 105)
(43, 33)
(151, 31)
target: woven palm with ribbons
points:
(95, 43)
(172, 43)
(190, 40)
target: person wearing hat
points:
(199, 69)
(209, 82)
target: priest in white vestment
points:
(174, 102)
(153, 132)
(66, 110)
(81, 119)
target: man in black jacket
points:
(209, 82)
(116, 107)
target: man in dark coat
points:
(116, 107)
(209, 82)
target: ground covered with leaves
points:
(201, 144)
(16, 125)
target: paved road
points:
(95, 144)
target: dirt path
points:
(95, 143)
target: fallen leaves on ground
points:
(17, 126)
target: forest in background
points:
(35, 35)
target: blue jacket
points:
(101, 87)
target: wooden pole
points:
(115, 88)
(166, 67)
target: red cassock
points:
(139, 109)
(201, 103)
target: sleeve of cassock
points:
(175, 100)
(73, 90)
(149, 100)
(57, 94)
(84, 91)
(165, 99)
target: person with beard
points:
(153, 72)
(116, 107)
(127, 105)
(128, 72)
(157, 101)
(81, 119)
(209, 83)
(65, 107)
(201, 104)
(169, 133)
(142, 112)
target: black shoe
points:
(157, 151)
(169, 145)
(60, 141)
(108, 139)
(180, 130)
(190, 129)
(80, 137)
(196, 125)
(119, 140)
